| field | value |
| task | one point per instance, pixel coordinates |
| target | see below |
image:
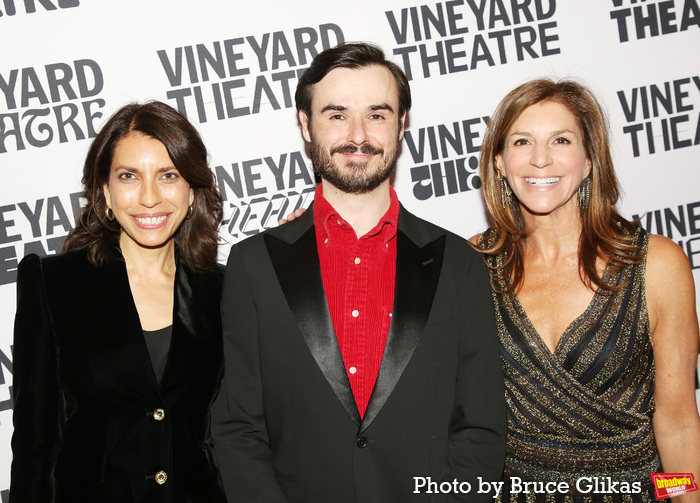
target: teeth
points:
(542, 181)
(151, 220)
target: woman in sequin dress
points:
(597, 321)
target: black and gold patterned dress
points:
(582, 414)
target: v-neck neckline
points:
(566, 334)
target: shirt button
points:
(353, 370)
(161, 477)
(158, 414)
(361, 442)
(357, 260)
(325, 241)
(355, 313)
(338, 221)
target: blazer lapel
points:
(122, 329)
(196, 330)
(417, 273)
(298, 270)
(186, 326)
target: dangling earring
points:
(584, 194)
(110, 214)
(506, 194)
(189, 213)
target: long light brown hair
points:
(197, 237)
(605, 234)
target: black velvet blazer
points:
(92, 424)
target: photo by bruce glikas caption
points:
(584, 485)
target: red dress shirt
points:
(358, 279)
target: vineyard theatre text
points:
(49, 103)
(253, 204)
(445, 157)
(662, 117)
(274, 61)
(47, 222)
(10, 7)
(651, 19)
(437, 39)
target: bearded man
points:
(360, 344)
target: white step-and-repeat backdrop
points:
(67, 65)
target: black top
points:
(158, 344)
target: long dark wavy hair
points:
(605, 233)
(197, 237)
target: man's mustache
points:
(365, 148)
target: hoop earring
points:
(506, 193)
(584, 194)
(189, 213)
(110, 214)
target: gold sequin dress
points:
(581, 415)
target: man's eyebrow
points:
(341, 108)
(337, 108)
(383, 106)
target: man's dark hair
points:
(351, 55)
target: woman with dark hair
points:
(118, 345)
(597, 321)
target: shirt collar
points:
(325, 216)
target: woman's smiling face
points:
(147, 194)
(544, 158)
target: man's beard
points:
(354, 179)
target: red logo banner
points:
(672, 484)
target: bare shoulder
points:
(670, 288)
(667, 263)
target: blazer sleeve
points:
(477, 442)
(38, 403)
(241, 440)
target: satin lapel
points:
(417, 273)
(186, 323)
(196, 328)
(299, 274)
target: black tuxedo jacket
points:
(285, 424)
(85, 394)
